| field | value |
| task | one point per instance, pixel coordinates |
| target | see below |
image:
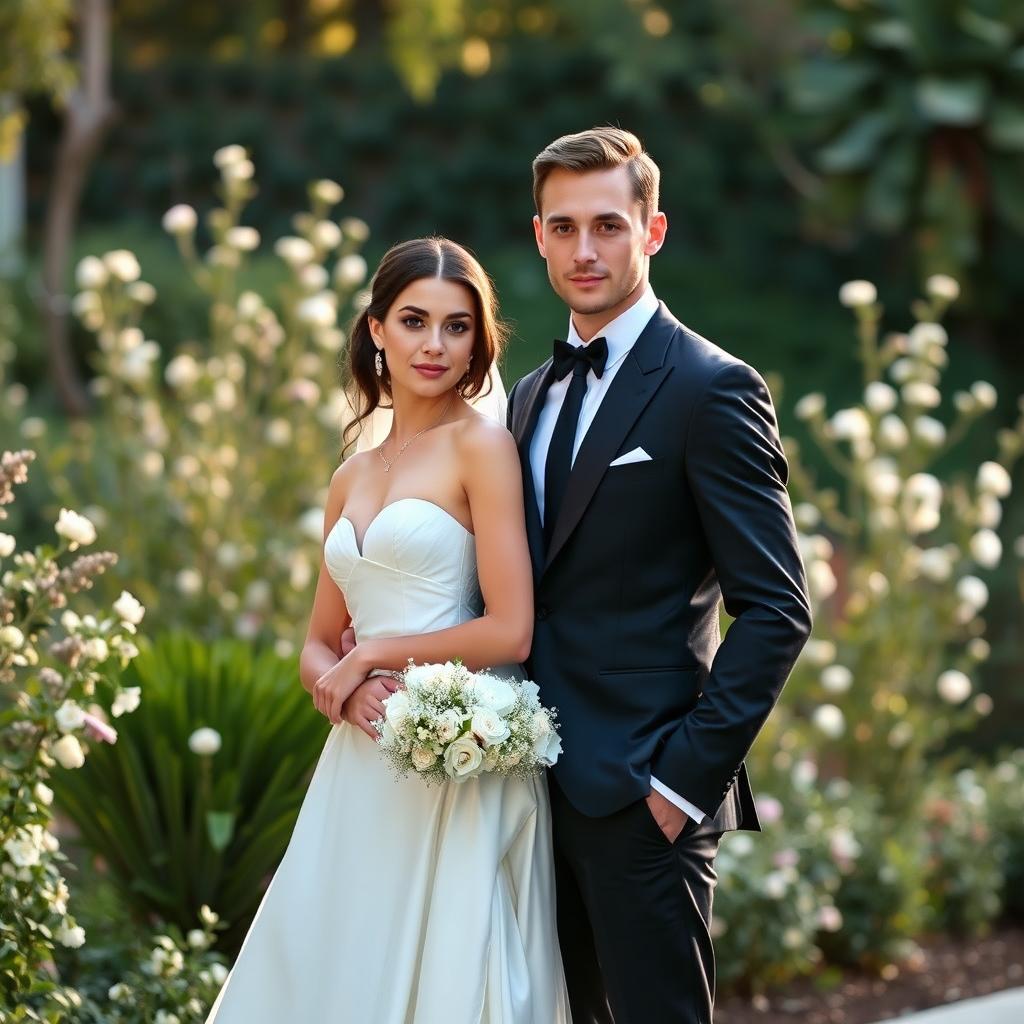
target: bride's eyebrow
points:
(425, 315)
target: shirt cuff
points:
(684, 805)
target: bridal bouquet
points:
(450, 723)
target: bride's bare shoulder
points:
(482, 435)
(346, 476)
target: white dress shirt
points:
(621, 335)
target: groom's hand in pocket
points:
(670, 819)
(366, 704)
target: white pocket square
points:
(636, 455)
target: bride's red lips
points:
(430, 369)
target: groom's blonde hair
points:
(601, 149)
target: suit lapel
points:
(634, 385)
(524, 421)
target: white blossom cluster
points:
(447, 723)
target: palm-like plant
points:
(177, 828)
(916, 111)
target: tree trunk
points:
(89, 114)
(12, 198)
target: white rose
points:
(837, 679)
(76, 528)
(829, 720)
(923, 335)
(829, 919)
(422, 758)
(96, 648)
(119, 993)
(993, 479)
(972, 592)
(774, 885)
(858, 293)
(463, 759)
(449, 725)
(929, 431)
(350, 271)
(990, 510)
(850, 424)
(295, 251)
(219, 973)
(123, 265)
(7, 545)
(954, 687)
(821, 580)
(547, 744)
(921, 393)
(241, 237)
(71, 937)
(494, 693)
(893, 433)
(227, 155)
(22, 850)
(182, 371)
(942, 286)
(327, 191)
(356, 229)
(126, 701)
(398, 709)
(880, 397)
(204, 741)
(984, 394)
(326, 234)
(180, 220)
(91, 273)
(197, 939)
(986, 549)
(69, 716)
(129, 609)
(318, 310)
(68, 752)
(11, 636)
(489, 727)
(935, 564)
(43, 794)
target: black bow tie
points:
(592, 356)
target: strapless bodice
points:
(416, 572)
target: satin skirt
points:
(402, 903)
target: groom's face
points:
(592, 232)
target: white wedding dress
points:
(398, 902)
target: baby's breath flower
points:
(350, 271)
(954, 686)
(246, 239)
(68, 752)
(993, 479)
(123, 265)
(91, 273)
(295, 251)
(942, 286)
(327, 191)
(204, 741)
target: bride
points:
(398, 902)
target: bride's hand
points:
(366, 705)
(337, 684)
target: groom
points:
(655, 486)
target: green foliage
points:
(917, 112)
(33, 34)
(172, 978)
(180, 829)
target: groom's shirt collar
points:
(622, 332)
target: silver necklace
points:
(388, 463)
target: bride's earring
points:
(378, 364)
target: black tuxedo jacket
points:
(627, 642)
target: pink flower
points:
(769, 810)
(97, 729)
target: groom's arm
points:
(737, 473)
(511, 402)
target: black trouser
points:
(634, 913)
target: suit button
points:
(542, 611)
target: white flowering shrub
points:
(219, 449)
(172, 978)
(896, 562)
(57, 696)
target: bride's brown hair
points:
(402, 265)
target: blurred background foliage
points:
(802, 143)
